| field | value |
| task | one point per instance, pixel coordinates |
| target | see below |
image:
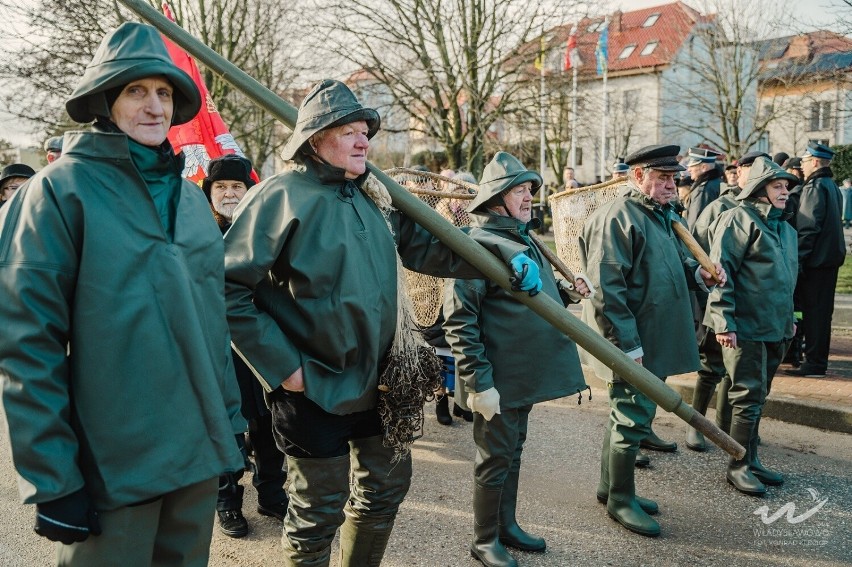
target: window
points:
(579, 155)
(820, 116)
(649, 48)
(625, 53)
(652, 19)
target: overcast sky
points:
(805, 15)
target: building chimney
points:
(615, 22)
(800, 47)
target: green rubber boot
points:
(622, 505)
(701, 397)
(763, 474)
(319, 489)
(602, 492)
(486, 546)
(654, 443)
(739, 474)
(511, 534)
(379, 487)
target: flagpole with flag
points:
(602, 55)
(572, 61)
(206, 136)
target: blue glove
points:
(68, 519)
(526, 276)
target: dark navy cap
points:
(749, 157)
(701, 155)
(793, 163)
(53, 144)
(819, 151)
(620, 167)
(660, 157)
(16, 170)
(732, 165)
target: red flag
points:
(572, 54)
(206, 136)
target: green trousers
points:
(751, 365)
(173, 531)
(630, 416)
(499, 444)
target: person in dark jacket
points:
(822, 250)
(643, 275)
(706, 179)
(753, 321)
(311, 281)
(118, 384)
(13, 176)
(228, 179)
(496, 340)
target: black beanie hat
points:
(229, 166)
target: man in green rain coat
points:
(311, 285)
(642, 305)
(118, 384)
(496, 343)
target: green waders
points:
(775, 353)
(630, 417)
(711, 374)
(378, 489)
(602, 494)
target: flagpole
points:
(574, 118)
(603, 128)
(541, 114)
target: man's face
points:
(742, 174)
(658, 185)
(568, 173)
(696, 170)
(53, 155)
(144, 110)
(777, 193)
(225, 195)
(810, 164)
(731, 176)
(10, 186)
(345, 147)
(518, 201)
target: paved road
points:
(704, 521)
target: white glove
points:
(486, 403)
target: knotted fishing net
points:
(570, 209)
(411, 372)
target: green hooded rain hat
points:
(764, 170)
(130, 52)
(502, 173)
(329, 104)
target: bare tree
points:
(449, 64)
(58, 39)
(717, 75)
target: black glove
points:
(68, 519)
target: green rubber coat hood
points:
(503, 172)
(763, 171)
(330, 103)
(130, 52)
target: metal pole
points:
(542, 137)
(574, 119)
(603, 129)
(455, 239)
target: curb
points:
(783, 408)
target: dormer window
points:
(649, 48)
(627, 51)
(652, 19)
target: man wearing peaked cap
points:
(13, 176)
(822, 250)
(118, 261)
(629, 251)
(53, 148)
(706, 181)
(619, 170)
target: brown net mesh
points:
(449, 197)
(570, 209)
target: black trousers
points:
(815, 291)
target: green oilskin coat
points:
(495, 339)
(643, 275)
(762, 265)
(701, 229)
(114, 357)
(311, 282)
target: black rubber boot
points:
(643, 461)
(442, 410)
(379, 487)
(602, 493)
(763, 474)
(511, 534)
(701, 397)
(467, 415)
(739, 474)
(486, 546)
(622, 505)
(229, 505)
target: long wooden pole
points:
(452, 237)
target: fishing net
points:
(570, 209)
